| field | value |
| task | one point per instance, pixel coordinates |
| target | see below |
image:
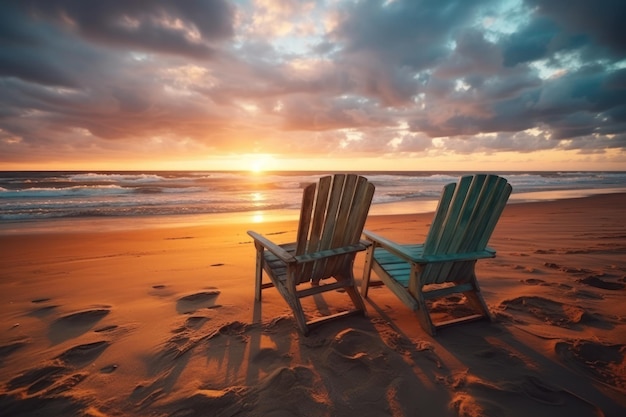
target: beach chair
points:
(332, 218)
(444, 264)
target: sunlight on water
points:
(175, 197)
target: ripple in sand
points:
(83, 354)
(604, 362)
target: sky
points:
(313, 85)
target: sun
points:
(259, 163)
(257, 167)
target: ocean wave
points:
(41, 195)
(35, 192)
(115, 178)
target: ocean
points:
(27, 197)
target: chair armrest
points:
(404, 252)
(281, 253)
(329, 253)
(457, 257)
(392, 247)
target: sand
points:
(161, 321)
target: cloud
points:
(403, 77)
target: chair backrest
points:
(465, 218)
(332, 216)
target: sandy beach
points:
(162, 322)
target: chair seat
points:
(275, 265)
(397, 268)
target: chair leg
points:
(298, 313)
(258, 273)
(356, 298)
(288, 291)
(416, 290)
(351, 289)
(476, 300)
(367, 270)
(423, 315)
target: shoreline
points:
(401, 208)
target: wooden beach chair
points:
(444, 264)
(332, 218)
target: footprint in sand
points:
(546, 310)
(161, 290)
(108, 328)
(605, 363)
(82, 355)
(534, 281)
(75, 324)
(357, 355)
(37, 379)
(43, 311)
(195, 322)
(108, 369)
(567, 269)
(9, 348)
(528, 392)
(56, 376)
(596, 282)
(583, 294)
(193, 302)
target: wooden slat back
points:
(464, 221)
(333, 215)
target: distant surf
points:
(70, 194)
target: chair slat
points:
(306, 214)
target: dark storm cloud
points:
(601, 20)
(155, 25)
(532, 42)
(367, 76)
